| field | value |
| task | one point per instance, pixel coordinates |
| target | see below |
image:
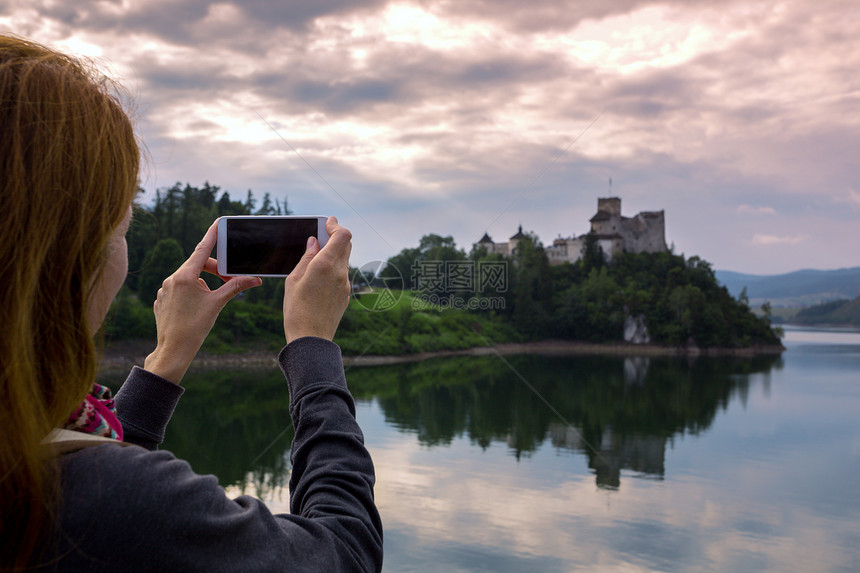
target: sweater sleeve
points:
(161, 516)
(144, 405)
(332, 475)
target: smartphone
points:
(265, 245)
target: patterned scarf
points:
(96, 415)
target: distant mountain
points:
(799, 288)
(840, 312)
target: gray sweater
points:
(140, 509)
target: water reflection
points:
(234, 424)
(620, 413)
(706, 464)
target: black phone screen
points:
(267, 246)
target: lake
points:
(556, 464)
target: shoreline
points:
(563, 348)
(125, 355)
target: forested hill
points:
(677, 300)
(838, 312)
(436, 296)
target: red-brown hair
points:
(69, 165)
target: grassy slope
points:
(411, 326)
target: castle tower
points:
(515, 239)
(607, 220)
(612, 205)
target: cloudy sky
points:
(741, 119)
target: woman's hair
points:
(69, 166)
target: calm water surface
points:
(580, 463)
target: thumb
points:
(236, 285)
(313, 247)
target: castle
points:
(644, 233)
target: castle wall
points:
(499, 248)
(608, 246)
(567, 250)
(645, 233)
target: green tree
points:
(437, 248)
(592, 254)
(266, 208)
(227, 207)
(198, 212)
(250, 202)
(497, 287)
(401, 266)
(171, 205)
(162, 261)
(571, 317)
(604, 312)
(413, 264)
(142, 235)
(129, 318)
(531, 287)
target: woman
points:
(73, 501)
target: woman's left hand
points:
(186, 309)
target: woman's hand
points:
(317, 291)
(186, 309)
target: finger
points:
(335, 230)
(311, 250)
(339, 244)
(211, 267)
(200, 256)
(330, 224)
(236, 285)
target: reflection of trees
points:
(232, 423)
(619, 412)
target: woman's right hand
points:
(186, 309)
(317, 292)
